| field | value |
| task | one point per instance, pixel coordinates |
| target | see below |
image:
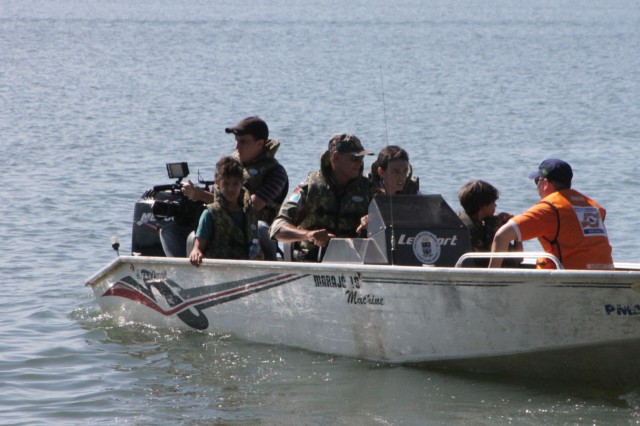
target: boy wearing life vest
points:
(478, 199)
(229, 224)
(568, 224)
(263, 176)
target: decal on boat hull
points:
(188, 304)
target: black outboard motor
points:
(417, 230)
(159, 206)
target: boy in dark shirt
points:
(478, 198)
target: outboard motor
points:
(145, 234)
(417, 230)
(159, 206)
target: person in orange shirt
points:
(567, 223)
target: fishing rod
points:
(386, 136)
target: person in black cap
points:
(263, 176)
(568, 224)
(330, 202)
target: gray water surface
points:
(95, 98)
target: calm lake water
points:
(96, 96)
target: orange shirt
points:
(577, 225)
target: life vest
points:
(580, 240)
(482, 233)
(254, 174)
(338, 210)
(481, 236)
(231, 241)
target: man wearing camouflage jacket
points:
(329, 203)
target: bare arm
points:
(364, 223)
(197, 254)
(289, 233)
(517, 246)
(198, 194)
(501, 241)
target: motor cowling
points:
(157, 208)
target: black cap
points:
(555, 170)
(253, 126)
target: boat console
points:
(410, 230)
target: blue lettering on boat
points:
(622, 310)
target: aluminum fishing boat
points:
(405, 294)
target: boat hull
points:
(543, 323)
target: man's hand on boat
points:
(288, 233)
(319, 237)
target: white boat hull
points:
(516, 321)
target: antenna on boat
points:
(386, 137)
(384, 109)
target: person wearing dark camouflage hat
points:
(330, 203)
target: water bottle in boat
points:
(255, 252)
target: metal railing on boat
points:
(509, 255)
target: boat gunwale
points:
(451, 274)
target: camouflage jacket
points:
(254, 174)
(482, 234)
(318, 203)
(231, 241)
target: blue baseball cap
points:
(555, 170)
